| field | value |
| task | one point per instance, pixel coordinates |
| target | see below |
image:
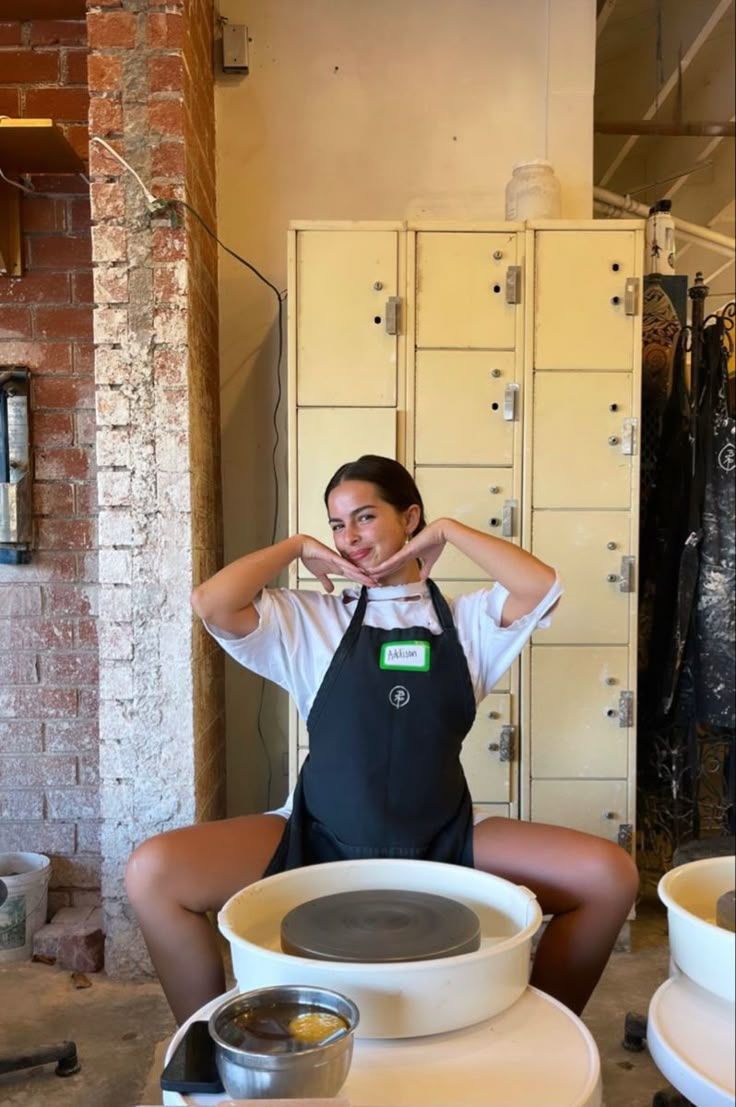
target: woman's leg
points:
(174, 878)
(587, 884)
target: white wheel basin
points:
(395, 1000)
(700, 949)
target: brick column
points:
(155, 330)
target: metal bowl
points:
(318, 1070)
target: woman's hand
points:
(324, 563)
(425, 546)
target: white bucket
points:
(26, 877)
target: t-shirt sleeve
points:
(491, 648)
(296, 636)
(269, 650)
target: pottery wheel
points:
(380, 925)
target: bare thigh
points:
(562, 867)
(200, 867)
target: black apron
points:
(383, 777)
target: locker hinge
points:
(510, 395)
(392, 315)
(507, 524)
(631, 296)
(626, 709)
(628, 439)
(513, 284)
(626, 580)
(505, 746)
(625, 836)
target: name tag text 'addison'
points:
(405, 655)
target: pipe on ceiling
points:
(643, 127)
(721, 243)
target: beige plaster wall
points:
(365, 109)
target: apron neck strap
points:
(441, 606)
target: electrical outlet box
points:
(234, 48)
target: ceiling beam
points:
(605, 11)
(670, 83)
(704, 154)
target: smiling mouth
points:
(359, 555)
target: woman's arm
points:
(527, 579)
(226, 599)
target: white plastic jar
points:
(533, 191)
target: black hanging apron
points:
(383, 777)
(715, 621)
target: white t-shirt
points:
(299, 632)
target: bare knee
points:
(145, 873)
(615, 878)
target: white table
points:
(691, 1035)
(535, 1053)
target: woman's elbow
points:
(199, 602)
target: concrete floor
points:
(121, 1030)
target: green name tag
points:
(408, 656)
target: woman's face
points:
(367, 530)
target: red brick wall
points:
(48, 640)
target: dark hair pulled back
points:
(395, 484)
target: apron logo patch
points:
(399, 696)
(409, 656)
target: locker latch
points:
(626, 709)
(628, 438)
(505, 745)
(509, 402)
(513, 284)
(625, 836)
(626, 580)
(507, 525)
(392, 315)
(631, 296)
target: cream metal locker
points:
(574, 735)
(580, 506)
(510, 388)
(584, 440)
(469, 389)
(466, 289)
(587, 297)
(346, 319)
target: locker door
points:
(344, 354)
(480, 498)
(575, 722)
(594, 806)
(582, 426)
(471, 392)
(326, 438)
(581, 319)
(586, 548)
(489, 753)
(461, 290)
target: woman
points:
(388, 677)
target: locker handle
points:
(509, 402)
(392, 315)
(507, 526)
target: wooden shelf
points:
(36, 146)
(42, 9)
